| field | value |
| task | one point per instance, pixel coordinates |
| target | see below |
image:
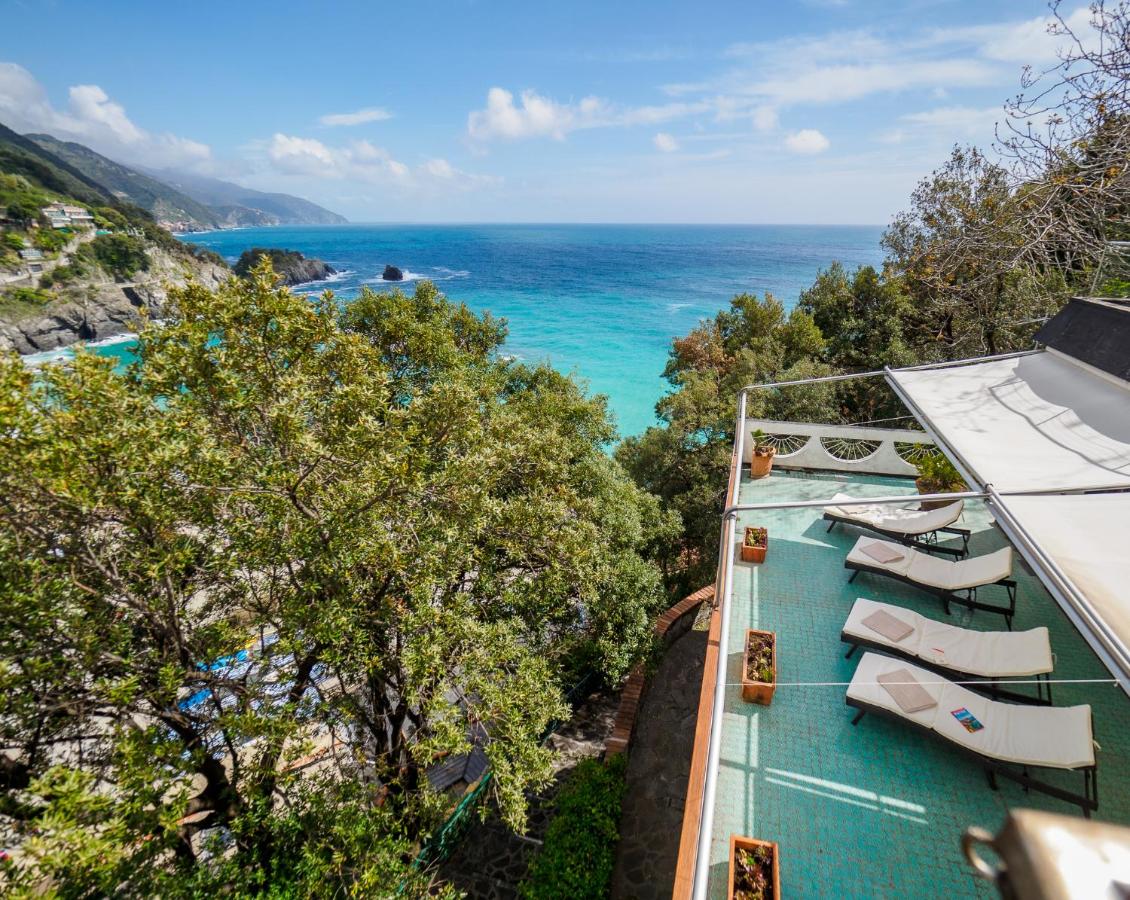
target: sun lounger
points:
(1013, 739)
(960, 653)
(954, 581)
(908, 525)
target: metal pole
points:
(854, 501)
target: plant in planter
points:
(761, 463)
(759, 667)
(754, 869)
(937, 475)
(755, 544)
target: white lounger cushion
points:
(988, 654)
(901, 519)
(1055, 736)
(933, 571)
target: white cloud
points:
(665, 142)
(765, 118)
(807, 141)
(953, 120)
(361, 161)
(360, 117)
(92, 118)
(1027, 42)
(839, 83)
(538, 116)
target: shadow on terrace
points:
(877, 808)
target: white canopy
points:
(1037, 422)
(1083, 537)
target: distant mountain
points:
(175, 199)
(21, 156)
(165, 203)
(238, 205)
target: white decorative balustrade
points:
(840, 448)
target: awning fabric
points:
(1035, 422)
(1040, 430)
(1085, 536)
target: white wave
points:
(675, 307)
(65, 354)
(331, 278)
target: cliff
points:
(97, 306)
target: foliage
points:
(12, 241)
(862, 318)
(50, 240)
(685, 461)
(756, 537)
(122, 255)
(762, 446)
(25, 210)
(753, 873)
(759, 657)
(576, 860)
(937, 473)
(30, 296)
(294, 535)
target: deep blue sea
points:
(600, 301)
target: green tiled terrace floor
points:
(874, 810)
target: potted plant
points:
(759, 667)
(755, 544)
(761, 463)
(754, 869)
(937, 475)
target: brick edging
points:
(675, 622)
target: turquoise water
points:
(600, 301)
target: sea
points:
(601, 302)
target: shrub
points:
(49, 240)
(12, 241)
(576, 860)
(28, 296)
(939, 474)
(121, 255)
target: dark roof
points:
(1096, 332)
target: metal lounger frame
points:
(947, 597)
(1088, 801)
(990, 686)
(918, 541)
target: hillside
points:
(164, 203)
(239, 206)
(22, 156)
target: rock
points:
(392, 273)
(99, 308)
(290, 265)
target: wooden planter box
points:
(738, 842)
(758, 691)
(929, 487)
(760, 466)
(754, 554)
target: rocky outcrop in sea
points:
(290, 265)
(392, 273)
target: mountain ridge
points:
(176, 200)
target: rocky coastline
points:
(97, 310)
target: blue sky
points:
(826, 111)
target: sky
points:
(751, 111)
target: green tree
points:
(685, 460)
(961, 252)
(122, 255)
(862, 318)
(251, 590)
(24, 210)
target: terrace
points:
(878, 809)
